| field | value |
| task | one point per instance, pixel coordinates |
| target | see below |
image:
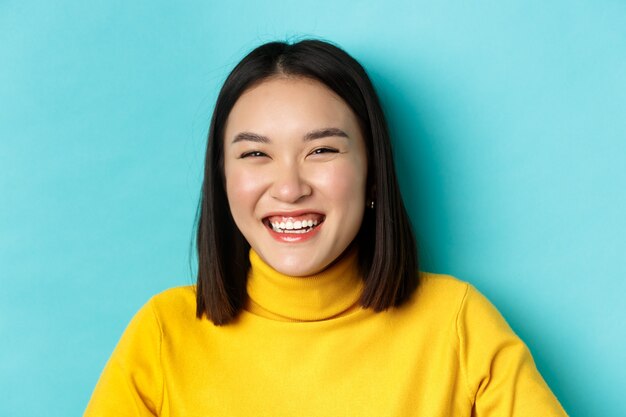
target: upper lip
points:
(295, 213)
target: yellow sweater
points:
(303, 347)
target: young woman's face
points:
(295, 165)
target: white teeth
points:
(294, 227)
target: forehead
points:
(289, 103)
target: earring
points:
(372, 204)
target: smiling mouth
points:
(294, 225)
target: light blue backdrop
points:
(509, 121)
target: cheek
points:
(343, 183)
(243, 189)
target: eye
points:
(320, 151)
(252, 154)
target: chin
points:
(294, 265)
(295, 270)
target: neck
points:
(327, 294)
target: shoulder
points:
(463, 304)
(442, 282)
(446, 297)
(441, 291)
(156, 317)
(458, 306)
(175, 303)
(181, 294)
(437, 299)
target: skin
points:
(285, 173)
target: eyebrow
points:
(312, 135)
(325, 132)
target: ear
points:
(371, 193)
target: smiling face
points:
(295, 166)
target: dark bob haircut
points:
(387, 249)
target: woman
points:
(309, 301)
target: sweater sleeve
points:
(131, 383)
(501, 375)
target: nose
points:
(288, 185)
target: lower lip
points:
(294, 237)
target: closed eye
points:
(252, 154)
(319, 151)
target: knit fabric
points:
(304, 347)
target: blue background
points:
(509, 122)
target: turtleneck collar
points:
(327, 294)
